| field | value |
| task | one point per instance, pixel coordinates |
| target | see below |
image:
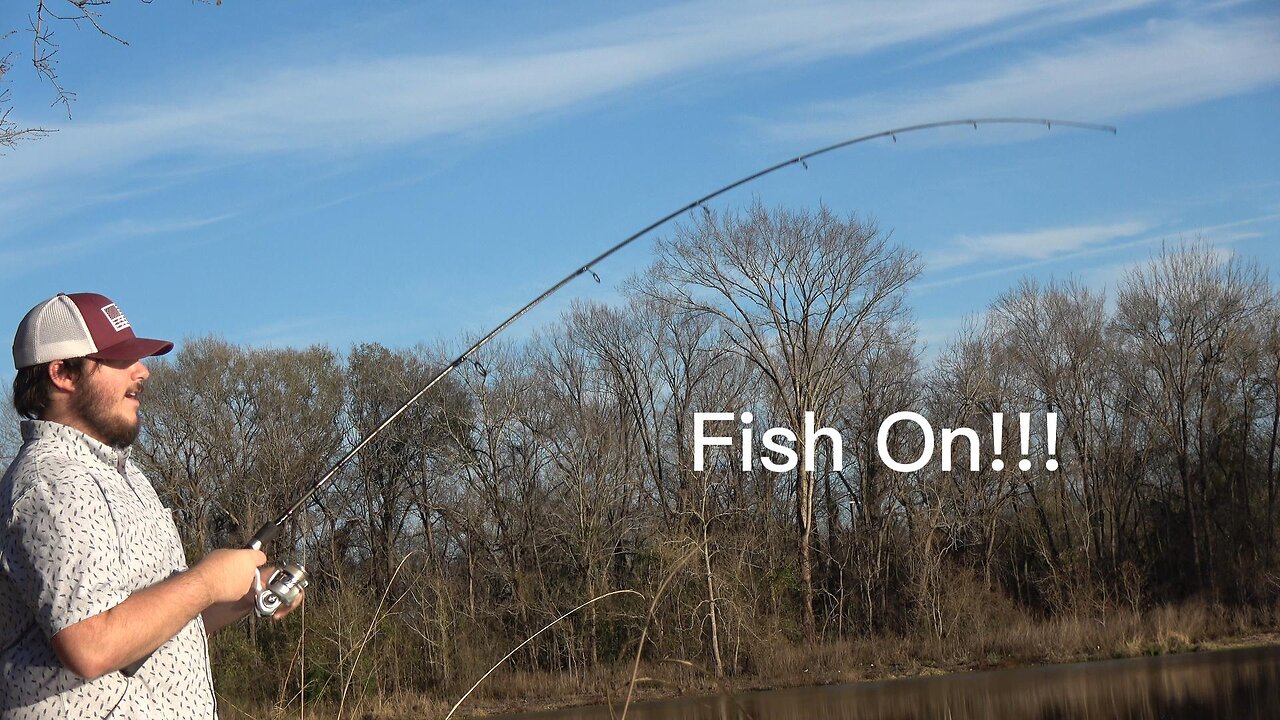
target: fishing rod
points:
(286, 584)
(272, 529)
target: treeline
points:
(559, 468)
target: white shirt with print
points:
(81, 529)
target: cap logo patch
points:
(117, 318)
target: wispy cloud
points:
(1221, 234)
(1023, 27)
(24, 258)
(135, 227)
(1034, 244)
(378, 101)
(1162, 65)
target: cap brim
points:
(134, 349)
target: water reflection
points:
(1235, 684)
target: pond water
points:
(1236, 684)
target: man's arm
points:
(219, 615)
(149, 617)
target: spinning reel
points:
(282, 588)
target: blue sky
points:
(412, 172)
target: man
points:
(94, 577)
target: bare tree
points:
(884, 377)
(796, 293)
(1179, 318)
(1056, 341)
(44, 17)
(10, 132)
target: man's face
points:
(106, 399)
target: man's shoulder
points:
(40, 462)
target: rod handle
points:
(265, 535)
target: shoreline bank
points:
(863, 675)
(1056, 642)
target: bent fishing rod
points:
(271, 530)
(286, 584)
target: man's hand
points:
(220, 615)
(228, 574)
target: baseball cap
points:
(79, 325)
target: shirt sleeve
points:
(64, 538)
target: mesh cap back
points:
(79, 325)
(52, 330)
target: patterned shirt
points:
(80, 529)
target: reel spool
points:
(282, 588)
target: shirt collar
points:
(33, 430)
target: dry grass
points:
(774, 662)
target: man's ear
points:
(62, 379)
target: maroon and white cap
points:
(79, 325)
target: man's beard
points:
(94, 406)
